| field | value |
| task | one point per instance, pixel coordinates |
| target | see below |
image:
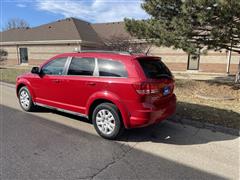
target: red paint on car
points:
(141, 87)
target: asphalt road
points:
(51, 145)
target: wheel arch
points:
(94, 102)
(19, 86)
(27, 84)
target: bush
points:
(3, 56)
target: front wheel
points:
(25, 99)
(107, 121)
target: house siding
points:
(176, 60)
(37, 53)
(215, 62)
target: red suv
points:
(113, 90)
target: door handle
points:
(91, 83)
(56, 80)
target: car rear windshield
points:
(154, 68)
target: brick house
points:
(34, 45)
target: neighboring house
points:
(34, 45)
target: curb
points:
(204, 125)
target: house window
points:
(23, 55)
(193, 62)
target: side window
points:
(55, 67)
(82, 66)
(111, 68)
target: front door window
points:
(55, 67)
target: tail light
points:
(147, 88)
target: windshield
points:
(154, 68)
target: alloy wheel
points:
(24, 99)
(105, 121)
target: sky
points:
(37, 12)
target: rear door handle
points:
(56, 80)
(91, 83)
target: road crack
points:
(114, 161)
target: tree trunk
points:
(237, 78)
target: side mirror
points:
(35, 70)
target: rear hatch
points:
(158, 86)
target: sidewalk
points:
(220, 77)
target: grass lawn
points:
(10, 75)
(225, 113)
(220, 112)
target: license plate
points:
(166, 90)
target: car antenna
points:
(148, 51)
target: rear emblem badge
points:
(166, 90)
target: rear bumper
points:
(144, 118)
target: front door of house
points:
(193, 62)
(23, 55)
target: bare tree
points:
(117, 43)
(3, 56)
(16, 23)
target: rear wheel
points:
(25, 99)
(107, 121)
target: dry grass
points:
(10, 75)
(225, 112)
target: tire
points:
(25, 99)
(107, 121)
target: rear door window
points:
(154, 68)
(82, 66)
(111, 68)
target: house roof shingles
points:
(108, 30)
(67, 29)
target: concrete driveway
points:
(52, 145)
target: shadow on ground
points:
(36, 148)
(175, 133)
(228, 81)
(208, 114)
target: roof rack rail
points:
(107, 51)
